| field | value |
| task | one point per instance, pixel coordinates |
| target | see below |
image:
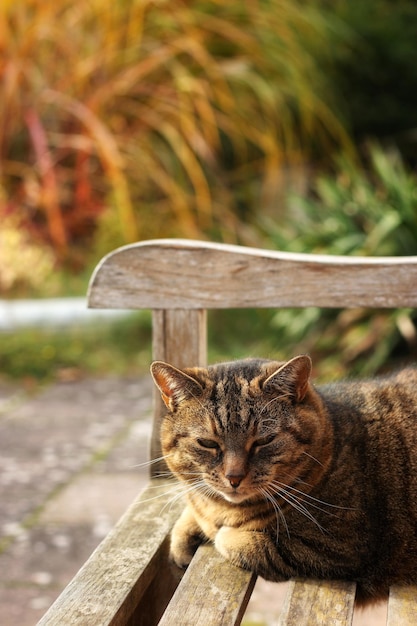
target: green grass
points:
(122, 347)
(341, 344)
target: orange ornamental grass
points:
(156, 118)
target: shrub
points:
(361, 211)
(375, 70)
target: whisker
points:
(162, 476)
(312, 457)
(298, 506)
(183, 489)
(176, 491)
(309, 497)
(164, 494)
(151, 462)
(278, 512)
(197, 399)
(283, 396)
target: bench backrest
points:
(180, 279)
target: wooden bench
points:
(127, 580)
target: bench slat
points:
(185, 274)
(402, 606)
(179, 337)
(212, 593)
(109, 586)
(314, 603)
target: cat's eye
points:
(263, 441)
(208, 443)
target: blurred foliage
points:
(375, 70)
(19, 255)
(158, 118)
(369, 210)
(38, 354)
(143, 118)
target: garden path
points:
(71, 460)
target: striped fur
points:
(291, 480)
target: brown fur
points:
(289, 480)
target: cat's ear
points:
(174, 384)
(290, 381)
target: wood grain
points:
(182, 274)
(179, 338)
(111, 583)
(402, 606)
(315, 603)
(212, 593)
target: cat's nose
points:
(235, 480)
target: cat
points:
(292, 480)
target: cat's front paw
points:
(186, 536)
(183, 547)
(254, 551)
(233, 545)
(244, 548)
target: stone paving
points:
(71, 458)
(67, 472)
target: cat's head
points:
(233, 428)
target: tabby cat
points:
(291, 480)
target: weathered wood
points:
(167, 274)
(212, 593)
(157, 596)
(318, 603)
(179, 338)
(127, 580)
(110, 585)
(402, 606)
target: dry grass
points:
(155, 118)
